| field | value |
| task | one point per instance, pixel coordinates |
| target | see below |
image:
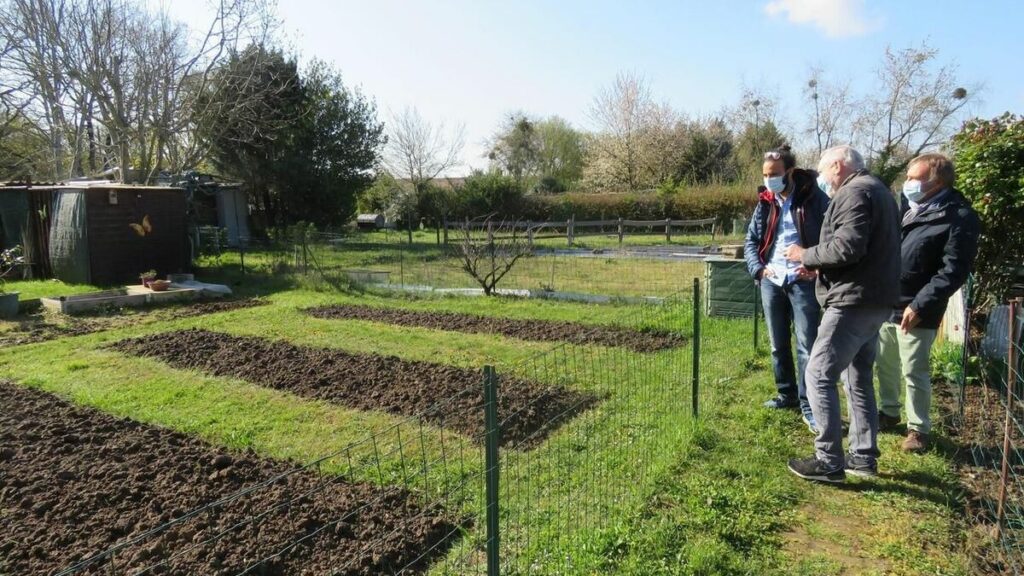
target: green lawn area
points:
(633, 486)
(30, 289)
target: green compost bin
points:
(731, 291)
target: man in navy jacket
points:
(939, 242)
(789, 211)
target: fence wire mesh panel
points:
(566, 505)
(387, 260)
(988, 418)
(540, 472)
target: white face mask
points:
(775, 183)
(913, 190)
(825, 185)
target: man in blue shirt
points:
(790, 211)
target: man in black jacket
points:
(940, 241)
(858, 266)
(790, 210)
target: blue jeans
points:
(791, 306)
(846, 351)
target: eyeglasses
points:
(773, 155)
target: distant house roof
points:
(445, 183)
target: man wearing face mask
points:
(789, 212)
(858, 265)
(940, 241)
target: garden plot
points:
(536, 330)
(447, 396)
(74, 481)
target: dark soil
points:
(75, 481)
(443, 395)
(537, 330)
(42, 326)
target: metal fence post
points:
(493, 437)
(695, 384)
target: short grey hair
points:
(845, 154)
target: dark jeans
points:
(792, 306)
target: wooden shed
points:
(103, 233)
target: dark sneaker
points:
(814, 469)
(887, 423)
(811, 425)
(780, 403)
(915, 442)
(861, 467)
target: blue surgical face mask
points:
(825, 185)
(912, 190)
(775, 183)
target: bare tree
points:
(420, 151)
(833, 111)
(489, 258)
(915, 109)
(115, 78)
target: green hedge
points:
(723, 202)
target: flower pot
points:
(159, 285)
(8, 304)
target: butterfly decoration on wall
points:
(144, 228)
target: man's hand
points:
(805, 274)
(795, 253)
(910, 320)
(767, 273)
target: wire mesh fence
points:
(387, 259)
(988, 419)
(547, 486)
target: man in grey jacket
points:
(858, 265)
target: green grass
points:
(713, 495)
(30, 289)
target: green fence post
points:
(695, 385)
(493, 433)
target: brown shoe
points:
(915, 442)
(887, 423)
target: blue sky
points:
(472, 62)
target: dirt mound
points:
(74, 481)
(443, 395)
(43, 326)
(537, 330)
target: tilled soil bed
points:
(537, 330)
(75, 481)
(43, 326)
(444, 395)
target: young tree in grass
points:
(488, 257)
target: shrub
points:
(681, 203)
(989, 157)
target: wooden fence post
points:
(529, 234)
(668, 229)
(622, 231)
(444, 223)
(570, 229)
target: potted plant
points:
(147, 277)
(10, 260)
